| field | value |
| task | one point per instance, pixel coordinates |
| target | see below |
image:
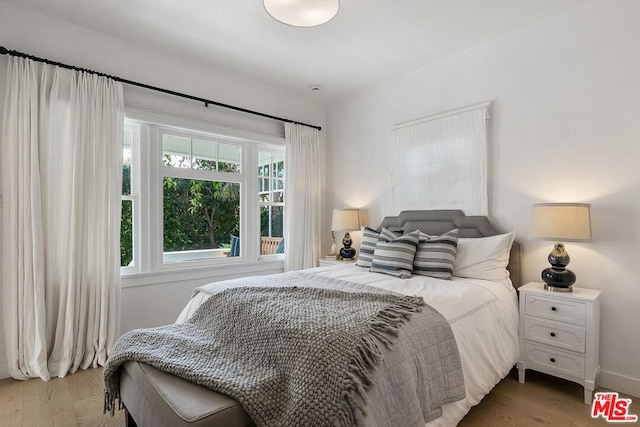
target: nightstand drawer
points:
(544, 359)
(556, 309)
(555, 334)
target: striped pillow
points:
(394, 254)
(367, 246)
(436, 254)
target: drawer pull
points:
(553, 334)
(553, 360)
(553, 308)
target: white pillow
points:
(484, 258)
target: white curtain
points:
(302, 197)
(61, 183)
(440, 162)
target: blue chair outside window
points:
(280, 248)
(235, 246)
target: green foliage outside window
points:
(199, 214)
(277, 214)
(126, 224)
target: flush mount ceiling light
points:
(302, 13)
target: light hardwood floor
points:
(542, 400)
(77, 401)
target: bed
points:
(481, 309)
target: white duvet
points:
(483, 316)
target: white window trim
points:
(148, 266)
(195, 124)
(134, 196)
(162, 171)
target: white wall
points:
(565, 127)
(149, 302)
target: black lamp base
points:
(347, 252)
(558, 279)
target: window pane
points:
(279, 167)
(126, 234)
(264, 220)
(271, 230)
(229, 158)
(264, 159)
(278, 196)
(199, 218)
(176, 151)
(277, 219)
(126, 162)
(204, 155)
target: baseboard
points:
(619, 383)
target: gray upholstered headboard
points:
(437, 222)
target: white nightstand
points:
(322, 262)
(560, 333)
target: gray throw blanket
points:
(302, 354)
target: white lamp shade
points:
(302, 13)
(345, 220)
(562, 222)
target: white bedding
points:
(483, 316)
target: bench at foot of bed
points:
(154, 398)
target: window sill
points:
(211, 273)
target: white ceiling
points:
(369, 40)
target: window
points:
(271, 199)
(200, 197)
(126, 227)
(130, 203)
(192, 198)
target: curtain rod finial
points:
(3, 50)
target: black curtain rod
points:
(5, 51)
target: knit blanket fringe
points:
(359, 376)
(109, 404)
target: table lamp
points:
(346, 220)
(560, 222)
